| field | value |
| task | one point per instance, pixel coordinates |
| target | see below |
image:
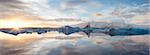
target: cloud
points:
(12, 8)
(70, 4)
(131, 11)
(9, 1)
(141, 19)
(30, 10)
(44, 9)
(77, 8)
(33, 7)
(76, 2)
(97, 14)
(6, 5)
(132, 14)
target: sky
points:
(43, 11)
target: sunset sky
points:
(18, 13)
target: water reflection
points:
(97, 45)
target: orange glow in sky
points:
(13, 23)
